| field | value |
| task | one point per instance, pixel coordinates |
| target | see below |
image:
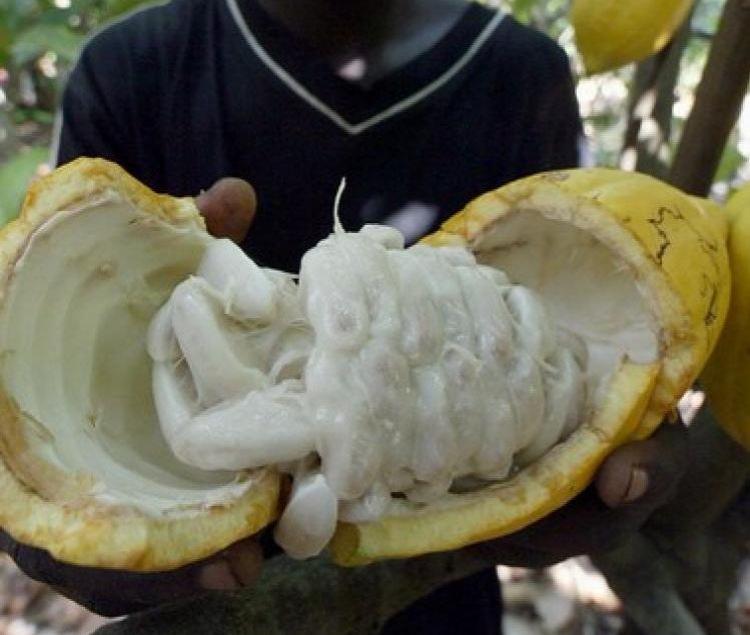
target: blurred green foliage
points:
(40, 39)
(39, 42)
(14, 176)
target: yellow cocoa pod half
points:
(610, 34)
(727, 374)
(85, 473)
(632, 267)
(570, 235)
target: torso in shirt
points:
(201, 89)
(184, 94)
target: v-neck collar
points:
(348, 105)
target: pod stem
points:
(314, 596)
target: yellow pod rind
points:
(675, 246)
(536, 491)
(610, 34)
(726, 377)
(674, 242)
(44, 507)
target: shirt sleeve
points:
(555, 131)
(92, 120)
(566, 129)
(112, 104)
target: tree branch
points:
(646, 147)
(298, 597)
(717, 102)
(639, 575)
(676, 575)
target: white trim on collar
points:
(393, 110)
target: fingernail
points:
(217, 576)
(246, 561)
(637, 486)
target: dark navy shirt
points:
(188, 92)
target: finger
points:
(112, 593)
(606, 514)
(585, 525)
(644, 474)
(229, 208)
(6, 542)
(217, 576)
(245, 560)
(505, 551)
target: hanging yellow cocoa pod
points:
(610, 34)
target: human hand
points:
(228, 207)
(112, 593)
(632, 483)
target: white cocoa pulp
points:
(384, 373)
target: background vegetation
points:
(634, 118)
(39, 41)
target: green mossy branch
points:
(310, 597)
(676, 575)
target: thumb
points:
(113, 592)
(229, 208)
(645, 473)
(237, 566)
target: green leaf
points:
(40, 38)
(15, 176)
(43, 117)
(522, 9)
(18, 12)
(114, 8)
(731, 161)
(5, 42)
(604, 119)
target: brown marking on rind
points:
(657, 222)
(710, 290)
